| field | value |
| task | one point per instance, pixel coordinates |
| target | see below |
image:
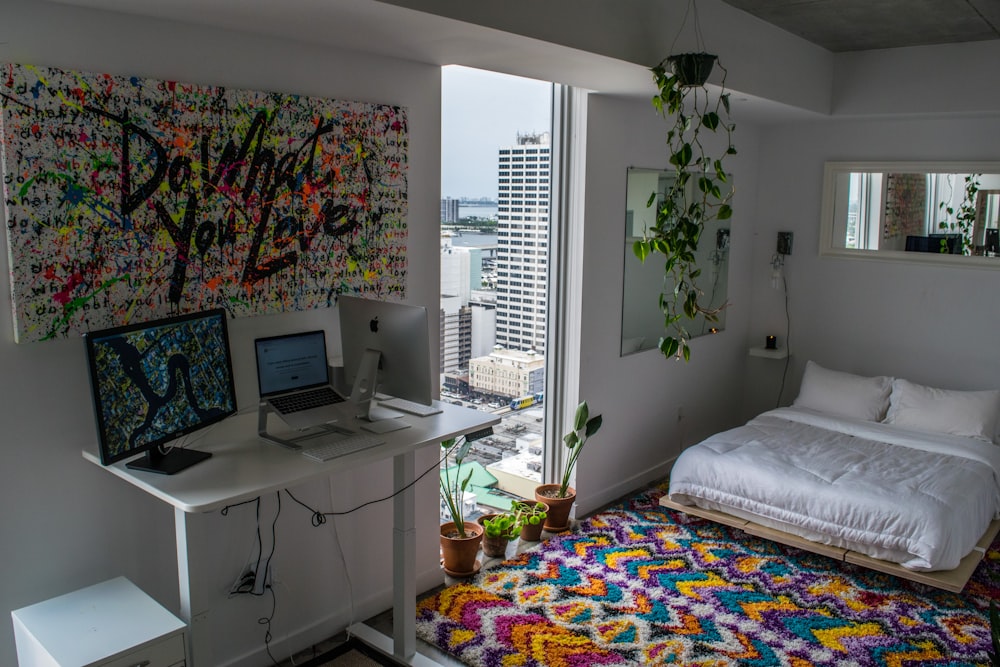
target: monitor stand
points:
(373, 417)
(173, 461)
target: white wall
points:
(641, 395)
(66, 523)
(933, 325)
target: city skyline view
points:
(480, 112)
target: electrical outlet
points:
(784, 243)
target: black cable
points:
(266, 620)
(319, 518)
(788, 347)
(249, 579)
(247, 585)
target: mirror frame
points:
(654, 268)
(832, 169)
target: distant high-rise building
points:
(449, 210)
(522, 242)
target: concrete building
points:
(507, 373)
(522, 242)
(449, 210)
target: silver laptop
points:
(294, 379)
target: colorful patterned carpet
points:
(641, 585)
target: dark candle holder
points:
(771, 343)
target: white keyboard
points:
(331, 449)
(403, 405)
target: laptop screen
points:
(290, 362)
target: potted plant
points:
(560, 497)
(459, 538)
(698, 194)
(498, 530)
(532, 517)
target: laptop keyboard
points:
(326, 451)
(304, 400)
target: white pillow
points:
(972, 414)
(844, 394)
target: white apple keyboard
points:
(411, 407)
(331, 449)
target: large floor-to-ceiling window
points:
(497, 152)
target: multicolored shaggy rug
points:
(642, 585)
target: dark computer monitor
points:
(937, 243)
(992, 238)
(386, 348)
(156, 381)
(950, 244)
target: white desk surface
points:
(243, 466)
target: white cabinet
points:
(111, 624)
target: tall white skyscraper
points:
(522, 242)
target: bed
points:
(877, 471)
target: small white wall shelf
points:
(778, 353)
(111, 624)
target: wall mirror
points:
(933, 212)
(642, 320)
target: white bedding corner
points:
(921, 500)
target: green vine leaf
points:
(687, 206)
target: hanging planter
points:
(692, 69)
(700, 192)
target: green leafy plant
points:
(584, 426)
(528, 513)
(698, 194)
(965, 216)
(506, 525)
(453, 490)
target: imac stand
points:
(374, 418)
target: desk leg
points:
(404, 549)
(192, 609)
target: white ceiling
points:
(385, 29)
(391, 28)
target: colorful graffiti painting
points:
(129, 199)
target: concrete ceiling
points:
(861, 25)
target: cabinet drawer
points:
(168, 652)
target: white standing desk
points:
(243, 467)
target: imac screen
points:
(156, 381)
(398, 332)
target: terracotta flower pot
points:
(494, 547)
(533, 532)
(557, 520)
(459, 554)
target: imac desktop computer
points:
(157, 381)
(386, 349)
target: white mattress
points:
(921, 500)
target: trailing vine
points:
(699, 194)
(965, 216)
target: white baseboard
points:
(623, 487)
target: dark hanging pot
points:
(692, 69)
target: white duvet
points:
(921, 500)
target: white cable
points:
(343, 562)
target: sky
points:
(480, 112)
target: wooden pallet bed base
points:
(949, 580)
